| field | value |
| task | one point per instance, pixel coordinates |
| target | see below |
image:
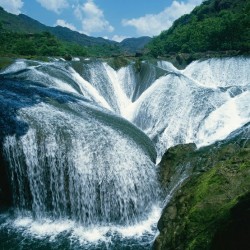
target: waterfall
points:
(171, 106)
(80, 162)
(220, 72)
(183, 105)
(81, 139)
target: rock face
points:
(211, 208)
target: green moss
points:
(214, 195)
(5, 62)
(118, 62)
(221, 176)
(138, 65)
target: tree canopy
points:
(215, 25)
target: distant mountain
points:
(24, 24)
(215, 25)
(20, 23)
(135, 44)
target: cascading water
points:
(78, 169)
(75, 161)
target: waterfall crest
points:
(80, 162)
(81, 138)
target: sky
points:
(111, 19)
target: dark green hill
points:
(135, 44)
(24, 24)
(20, 23)
(215, 25)
(97, 46)
(21, 35)
(68, 35)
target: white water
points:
(215, 73)
(46, 227)
(111, 179)
(229, 117)
(173, 108)
(197, 104)
(79, 167)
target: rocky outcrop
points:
(210, 210)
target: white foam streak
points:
(116, 79)
(88, 90)
(15, 67)
(167, 66)
(42, 228)
(231, 116)
(220, 72)
(146, 226)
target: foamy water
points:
(82, 161)
(144, 232)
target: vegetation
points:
(40, 44)
(4, 62)
(118, 62)
(46, 44)
(23, 36)
(30, 32)
(24, 24)
(209, 209)
(216, 25)
(133, 45)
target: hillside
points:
(215, 25)
(135, 44)
(24, 24)
(98, 46)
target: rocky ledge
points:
(211, 207)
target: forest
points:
(216, 25)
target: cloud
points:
(118, 38)
(54, 5)
(63, 23)
(92, 18)
(153, 24)
(12, 6)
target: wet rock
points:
(207, 211)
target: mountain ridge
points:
(24, 24)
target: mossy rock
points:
(118, 62)
(235, 233)
(5, 62)
(201, 213)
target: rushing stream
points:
(81, 142)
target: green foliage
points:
(70, 42)
(138, 65)
(118, 62)
(40, 44)
(213, 26)
(4, 62)
(46, 44)
(133, 45)
(24, 24)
